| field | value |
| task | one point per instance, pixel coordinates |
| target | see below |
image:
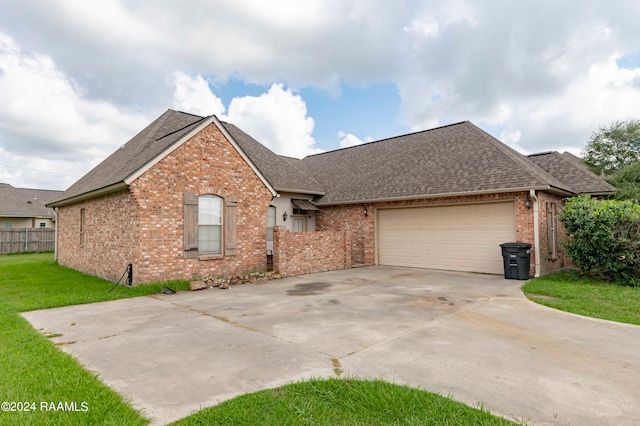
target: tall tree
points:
(613, 147)
(627, 180)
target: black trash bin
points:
(517, 260)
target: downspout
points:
(55, 237)
(536, 232)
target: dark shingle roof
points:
(26, 202)
(283, 173)
(575, 160)
(575, 175)
(455, 159)
(141, 149)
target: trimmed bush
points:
(604, 237)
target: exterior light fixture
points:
(284, 216)
(527, 203)
(366, 213)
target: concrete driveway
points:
(473, 337)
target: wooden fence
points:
(18, 240)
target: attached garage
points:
(455, 238)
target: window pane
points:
(209, 239)
(210, 221)
(209, 210)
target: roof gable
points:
(568, 169)
(138, 151)
(450, 160)
(144, 150)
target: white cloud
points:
(564, 121)
(544, 69)
(511, 138)
(137, 45)
(495, 67)
(193, 95)
(278, 119)
(349, 140)
(46, 123)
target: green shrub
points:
(604, 238)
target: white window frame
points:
(208, 222)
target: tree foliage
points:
(613, 147)
(627, 181)
(604, 237)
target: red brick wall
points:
(360, 228)
(111, 235)
(298, 253)
(145, 226)
(352, 219)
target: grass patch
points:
(32, 369)
(342, 402)
(570, 292)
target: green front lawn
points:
(35, 373)
(342, 402)
(570, 292)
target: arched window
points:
(209, 225)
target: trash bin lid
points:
(516, 245)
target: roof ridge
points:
(182, 128)
(390, 138)
(187, 113)
(535, 154)
(534, 170)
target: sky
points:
(78, 79)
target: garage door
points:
(456, 238)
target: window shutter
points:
(190, 225)
(230, 225)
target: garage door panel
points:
(462, 238)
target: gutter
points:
(300, 191)
(102, 191)
(536, 232)
(55, 242)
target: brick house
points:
(192, 196)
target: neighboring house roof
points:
(26, 202)
(575, 175)
(451, 160)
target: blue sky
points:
(369, 112)
(629, 61)
(78, 79)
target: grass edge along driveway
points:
(44, 385)
(570, 292)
